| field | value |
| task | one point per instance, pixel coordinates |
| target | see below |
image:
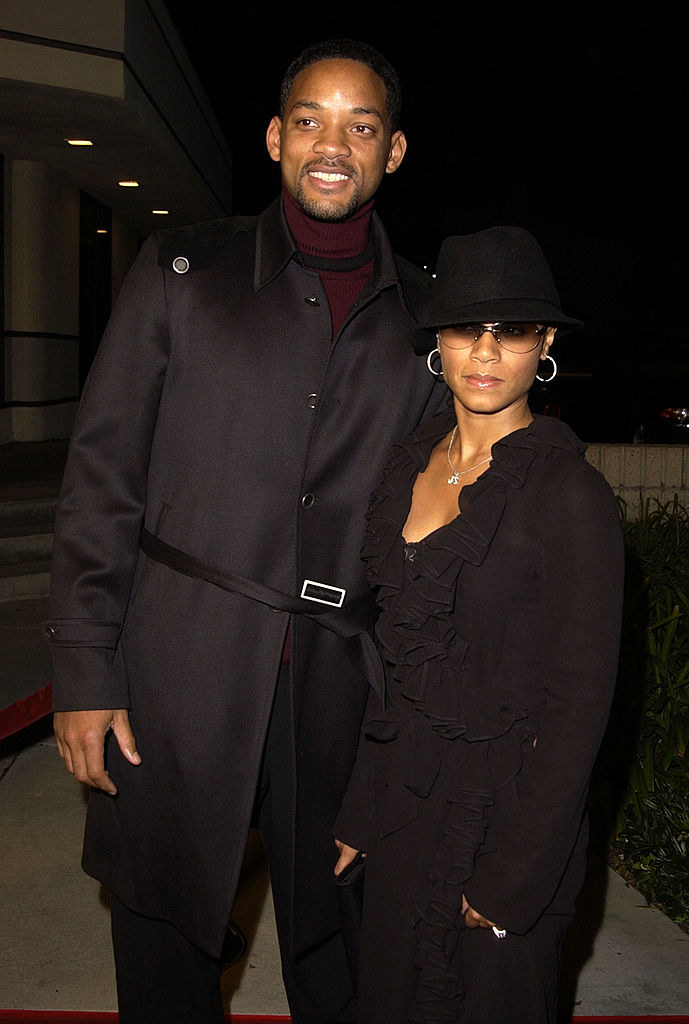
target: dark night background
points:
(565, 123)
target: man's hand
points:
(347, 855)
(81, 740)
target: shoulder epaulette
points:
(190, 248)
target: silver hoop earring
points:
(429, 357)
(553, 375)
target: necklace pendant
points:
(454, 479)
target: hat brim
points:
(499, 311)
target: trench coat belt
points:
(351, 622)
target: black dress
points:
(499, 633)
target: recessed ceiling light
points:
(101, 231)
(128, 184)
(78, 142)
(160, 211)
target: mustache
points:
(331, 165)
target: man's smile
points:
(328, 176)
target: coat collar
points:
(275, 248)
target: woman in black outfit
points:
(497, 554)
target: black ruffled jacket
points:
(497, 629)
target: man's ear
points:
(273, 139)
(398, 147)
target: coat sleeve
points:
(355, 822)
(103, 495)
(531, 840)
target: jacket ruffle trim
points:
(440, 922)
(416, 631)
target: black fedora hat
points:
(494, 275)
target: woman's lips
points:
(481, 382)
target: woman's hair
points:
(348, 49)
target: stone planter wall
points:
(640, 471)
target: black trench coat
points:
(219, 414)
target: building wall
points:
(97, 23)
(116, 73)
(637, 472)
(124, 248)
(41, 303)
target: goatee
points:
(321, 209)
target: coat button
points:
(180, 264)
(308, 500)
(311, 300)
(311, 401)
(51, 631)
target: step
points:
(32, 547)
(25, 580)
(26, 546)
(19, 514)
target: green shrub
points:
(641, 787)
(651, 851)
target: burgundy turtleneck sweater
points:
(340, 252)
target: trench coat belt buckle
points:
(349, 624)
(312, 591)
(323, 593)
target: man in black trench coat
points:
(208, 606)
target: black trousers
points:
(162, 978)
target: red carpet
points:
(76, 1017)
(25, 711)
(65, 1017)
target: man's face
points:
(334, 143)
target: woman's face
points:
(485, 377)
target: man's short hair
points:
(348, 49)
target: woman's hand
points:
(347, 855)
(472, 918)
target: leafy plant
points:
(652, 852)
(641, 787)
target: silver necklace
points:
(454, 479)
